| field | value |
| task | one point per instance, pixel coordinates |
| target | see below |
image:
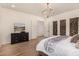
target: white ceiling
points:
(36, 8)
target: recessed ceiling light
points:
(13, 6)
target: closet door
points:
(62, 27)
(73, 26)
(54, 27)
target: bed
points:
(57, 46)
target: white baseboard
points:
(5, 43)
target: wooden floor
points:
(20, 49)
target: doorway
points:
(40, 28)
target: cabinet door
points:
(62, 27)
(15, 38)
(73, 26)
(54, 27)
(24, 36)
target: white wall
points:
(67, 16)
(7, 19)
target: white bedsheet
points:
(62, 48)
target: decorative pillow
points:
(77, 44)
(75, 38)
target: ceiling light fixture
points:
(13, 6)
(48, 11)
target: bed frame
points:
(40, 53)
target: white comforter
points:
(62, 48)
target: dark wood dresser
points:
(19, 37)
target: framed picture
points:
(19, 27)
